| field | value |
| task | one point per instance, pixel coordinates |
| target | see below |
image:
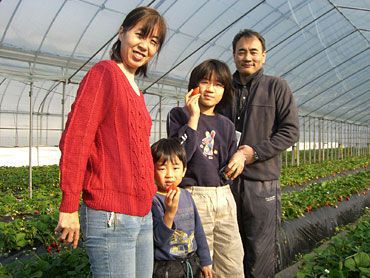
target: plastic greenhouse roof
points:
(321, 47)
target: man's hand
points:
(236, 165)
(68, 228)
(248, 153)
(207, 271)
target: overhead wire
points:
(82, 66)
(200, 47)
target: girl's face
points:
(168, 173)
(136, 50)
(211, 92)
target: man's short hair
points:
(248, 33)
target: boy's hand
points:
(171, 204)
(172, 200)
(207, 271)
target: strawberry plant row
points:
(29, 222)
(345, 256)
(299, 175)
(21, 217)
(66, 263)
(315, 213)
(328, 193)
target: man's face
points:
(249, 56)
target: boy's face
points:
(168, 173)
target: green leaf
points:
(334, 273)
(350, 263)
(20, 240)
(362, 259)
(365, 271)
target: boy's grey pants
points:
(259, 216)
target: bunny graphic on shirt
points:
(208, 144)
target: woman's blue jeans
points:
(118, 245)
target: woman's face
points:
(136, 50)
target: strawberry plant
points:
(294, 175)
(66, 263)
(346, 255)
(328, 193)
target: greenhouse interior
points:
(318, 46)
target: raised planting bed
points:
(298, 176)
(346, 255)
(26, 224)
(56, 263)
(314, 214)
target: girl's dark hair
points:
(168, 149)
(221, 73)
(248, 33)
(151, 20)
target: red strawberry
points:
(36, 212)
(195, 91)
(171, 187)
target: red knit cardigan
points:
(105, 146)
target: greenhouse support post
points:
(309, 139)
(314, 140)
(63, 103)
(160, 117)
(30, 145)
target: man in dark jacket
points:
(266, 116)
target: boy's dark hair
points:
(151, 19)
(248, 33)
(168, 149)
(221, 72)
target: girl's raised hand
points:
(191, 102)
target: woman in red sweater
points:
(106, 156)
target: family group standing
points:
(223, 153)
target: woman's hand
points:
(207, 271)
(68, 228)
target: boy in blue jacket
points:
(180, 245)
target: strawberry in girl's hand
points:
(171, 187)
(195, 91)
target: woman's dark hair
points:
(168, 149)
(152, 21)
(248, 33)
(221, 73)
